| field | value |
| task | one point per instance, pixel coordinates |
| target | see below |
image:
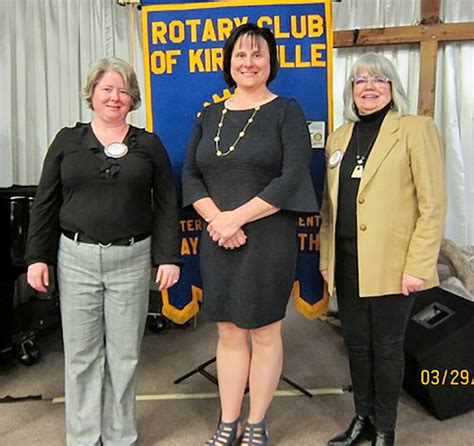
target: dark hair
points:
(255, 31)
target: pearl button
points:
(363, 227)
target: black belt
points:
(84, 238)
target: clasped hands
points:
(225, 229)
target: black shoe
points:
(227, 434)
(383, 438)
(360, 430)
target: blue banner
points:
(183, 73)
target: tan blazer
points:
(400, 205)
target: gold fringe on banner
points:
(310, 311)
(181, 316)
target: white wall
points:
(49, 45)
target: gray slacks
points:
(104, 301)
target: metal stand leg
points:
(201, 369)
(296, 386)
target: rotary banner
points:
(182, 46)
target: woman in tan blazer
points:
(382, 222)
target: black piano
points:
(15, 205)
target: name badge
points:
(116, 150)
(335, 159)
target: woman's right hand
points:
(223, 227)
(38, 276)
(324, 273)
(236, 241)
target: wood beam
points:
(428, 33)
(428, 60)
(430, 11)
(404, 34)
(427, 82)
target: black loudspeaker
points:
(439, 353)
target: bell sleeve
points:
(293, 189)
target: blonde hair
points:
(121, 67)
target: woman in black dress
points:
(247, 175)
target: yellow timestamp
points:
(446, 377)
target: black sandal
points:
(255, 434)
(225, 435)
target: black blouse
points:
(82, 190)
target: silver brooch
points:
(335, 159)
(116, 150)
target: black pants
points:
(374, 331)
(7, 288)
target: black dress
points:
(250, 286)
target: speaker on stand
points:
(439, 354)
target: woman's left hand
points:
(167, 276)
(411, 284)
(222, 227)
(236, 241)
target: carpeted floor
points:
(185, 414)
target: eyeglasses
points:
(375, 79)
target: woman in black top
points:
(104, 209)
(247, 175)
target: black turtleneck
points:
(367, 130)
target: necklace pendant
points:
(358, 171)
(116, 150)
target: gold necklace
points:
(241, 134)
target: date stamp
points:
(446, 377)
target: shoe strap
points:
(255, 434)
(225, 434)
